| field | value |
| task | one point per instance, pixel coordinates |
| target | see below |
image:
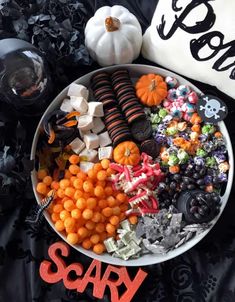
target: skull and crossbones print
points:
(211, 109)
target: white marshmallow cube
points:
(85, 122)
(85, 166)
(91, 140)
(98, 125)
(79, 104)
(104, 139)
(66, 106)
(88, 155)
(105, 152)
(78, 90)
(82, 133)
(95, 109)
(77, 145)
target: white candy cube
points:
(77, 145)
(95, 109)
(98, 125)
(79, 104)
(66, 106)
(78, 90)
(85, 166)
(91, 140)
(88, 155)
(104, 139)
(85, 122)
(105, 152)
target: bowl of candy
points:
(127, 167)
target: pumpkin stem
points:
(112, 24)
(153, 85)
(127, 152)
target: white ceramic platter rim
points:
(135, 70)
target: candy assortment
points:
(132, 167)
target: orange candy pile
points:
(85, 206)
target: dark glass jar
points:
(25, 81)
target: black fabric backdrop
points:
(206, 273)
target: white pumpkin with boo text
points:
(196, 39)
(113, 36)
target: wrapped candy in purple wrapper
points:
(160, 138)
(222, 177)
(208, 146)
(208, 179)
(203, 137)
(219, 156)
(200, 161)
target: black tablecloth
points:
(204, 273)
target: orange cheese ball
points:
(99, 248)
(69, 191)
(100, 227)
(69, 222)
(74, 159)
(55, 217)
(69, 205)
(72, 238)
(57, 208)
(83, 232)
(41, 174)
(91, 203)
(47, 180)
(105, 163)
(107, 212)
(76, 213)
(114, 220)
(87, 214)
(88, 186)
(95, 238)
(64, 183)
(81, 175)
(42, 188)
(81, 203)
(101, 175)
(86, 244)
(64, 214)
(74, 169)
(90, 225)
(59, 225)
(99, 191)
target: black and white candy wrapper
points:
(165, 231)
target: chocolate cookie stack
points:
(114, 120)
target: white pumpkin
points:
(113, 36)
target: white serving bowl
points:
(136, 71)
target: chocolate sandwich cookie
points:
(121, 138)
(141, 130)
(100, 76)
(108, 103)
(135, 117)
(119, 72)
(127, 98)
(151, 147)
(102, 90)
(115, 123)
(105, 96)
(128, 105)
(129, 89)
(100, 84)
(118, 130)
